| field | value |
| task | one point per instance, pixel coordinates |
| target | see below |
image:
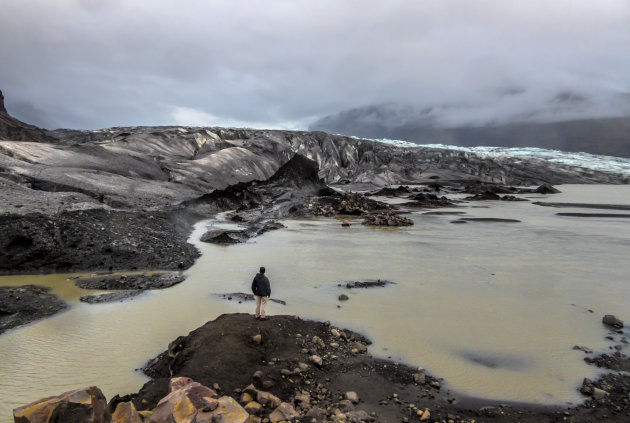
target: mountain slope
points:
(610, 136)
(16, 130)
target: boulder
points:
(386, 218)
(186, 400)
(546, 189)
(268, 399)
(343, 297)
(613, 321)
(484, 196)
(246, 397)
(126, 413)
(599, 394)
(228, 411)
(85, 405)
(224, 237)
(420, 378)
(253, 407)
(284, 412)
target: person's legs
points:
(258, 301)
(263, 306)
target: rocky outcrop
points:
(402, 190)
(86, 405)
(429, 201)
(484, 196)
(228, 237)
(612, 320)
(353, 204)
(23, 304)
(547, 189)
(387, 218)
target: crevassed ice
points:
(611, 164)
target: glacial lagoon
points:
(493, 308)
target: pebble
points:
(352, 396)
(316, 360)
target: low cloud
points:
(97, 63)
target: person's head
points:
(262, 270)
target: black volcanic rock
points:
(547, 189)
(2, 108)
(481, 188)
(93, 240)
(484, 196)
(23, 304)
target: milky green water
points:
(493, 308)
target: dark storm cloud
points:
(96, 63)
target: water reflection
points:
(494, 308)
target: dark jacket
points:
(260, 285)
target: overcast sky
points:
(283, 64)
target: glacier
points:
(587, 161)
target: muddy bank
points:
(131, 282)
(111, 297)
(25, 304)
(94, 240)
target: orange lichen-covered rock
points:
(85, 405)
(126, 413)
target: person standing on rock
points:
(262, 291)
